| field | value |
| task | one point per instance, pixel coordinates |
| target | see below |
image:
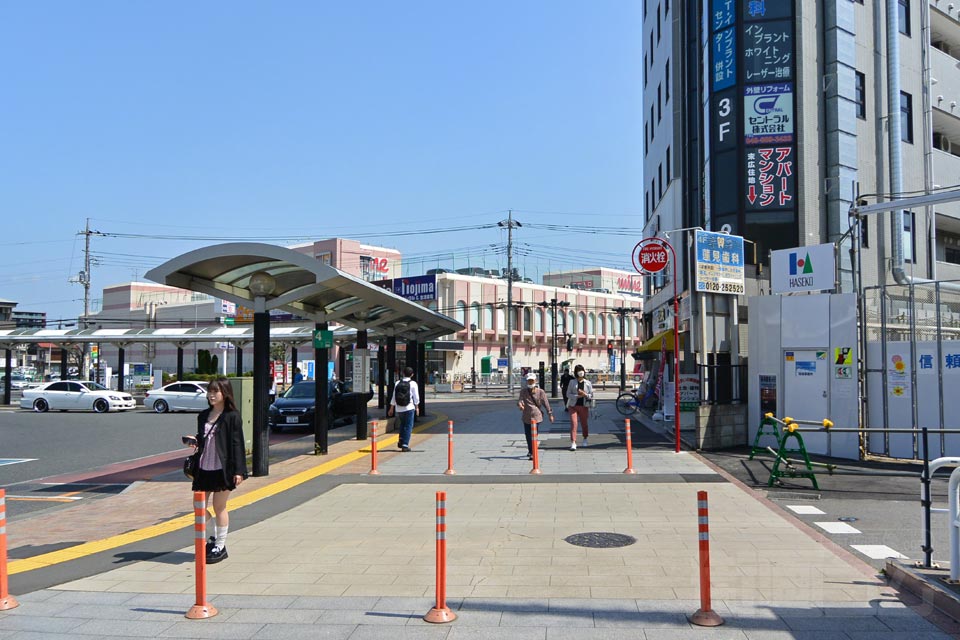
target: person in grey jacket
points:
(223, 460)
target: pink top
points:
(209, 460)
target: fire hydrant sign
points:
(650, 256)
(719, 262)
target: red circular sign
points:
(650, 256)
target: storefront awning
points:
(656, 342)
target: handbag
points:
(191, 464)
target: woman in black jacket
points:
(223, 460)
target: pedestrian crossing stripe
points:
(6, 461)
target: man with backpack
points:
(403, 404)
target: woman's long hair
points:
(224, 387)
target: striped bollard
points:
(629, 469)
(440, 612)
(373, 448)
(202, 609)
(534, 441)
(7, 601)
(705, 616)
(450, 470)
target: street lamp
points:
(553, 303)
(473, 369)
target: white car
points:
(178, 396)
(82, 395)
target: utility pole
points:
(509, 223)
(84, 279)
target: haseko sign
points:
(812, 268)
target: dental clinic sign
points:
(812, 268)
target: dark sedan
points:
(297, 406)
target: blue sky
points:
(286, 120)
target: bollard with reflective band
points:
(535, 443)
(450, 470)
(705, 616)
(7, 601)
(629, 468)
(373, 448)
(440, 612)
(202, 608)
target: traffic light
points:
(609, 348)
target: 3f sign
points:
(724, 121)
(724, 125)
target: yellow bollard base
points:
(201, 611)
(8, 602)
(708, 618)
(438, 616)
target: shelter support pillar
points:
(321, 415)
(239, 356)
(422, 375)
(121, 357)
(261, 388)
(8, 373)
(360, 386)
(381, 375)
(391, 366)
(179, 362)
(64, 363)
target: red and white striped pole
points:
(705, 616)
(450, 470)
(202, 608)
(440, 612)
(373, 448)
(535, 443)
(629, 468)
(7, 601)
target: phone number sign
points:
(719, 261)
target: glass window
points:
(58, 386)
(906, 117)
(592, 324)
(179, 388)
(645, 77)
(861, 96)
(666, 81)
(603, 324)
(538, 320)
(475, 315)
(903, 16)
(461, 314)
(653, 129)
(659, 103)
(527, 319)
(658, 24)
(667, 165)
(581, 322)
(651, 48)
(487, 316)
(660, 180)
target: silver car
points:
(67, 395)
(178, 396)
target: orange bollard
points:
(441, 613)
(7, 601)
(705, 616)
(373, 448)
(450, 470)
(202, 608)
(629, 468)
(536, 449)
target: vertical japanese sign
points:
(719, 262)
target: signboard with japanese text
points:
(810, 268)
(719, 263)
(770, 183)
(768, 51)
(768, 113)
(723, 12)
(766, 9)
(724, 65)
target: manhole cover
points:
(600, 540)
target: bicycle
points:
(628, 403)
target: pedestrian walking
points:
(532, 400)
(564, 383)
(223, 461)
(403, 403)
(579, 401)
(297, 376)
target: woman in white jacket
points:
(579, 398)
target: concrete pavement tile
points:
(485, 619)
(500, 633)
(904, 623)
(44, 609)
(597, 605)
(94, 583)
(834, 623)
(755, 634)
(41, 623)
(199, 629)
(548, 619)
(37, 596)
(697, 633)
(305, 590)
(236, 588)
(638, 593)
(232, 601)
(898, 635)
(278, 578)
(514, 605)
(272, 616)
(380, 590)
(332, 603)
(554, 633)
(477, 592)
(548, 592)
(369, 617)
(760, 623)
(294, 631)
(134, 628)
(153, 587)
(372, 632)
(91, 597)
(394, 603)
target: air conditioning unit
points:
(941, 142)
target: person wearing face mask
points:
(579, 398)
(532, 399)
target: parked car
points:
(297, 407)
(82, 395)
(178, 396)
(17, 381)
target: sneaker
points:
(573, 446)
(217, 554)
(404, 448)
(584, 443)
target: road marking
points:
(44, 498)
(836, 527)
(5, 461)
(96, 546)
(877, 551)
(805, 510)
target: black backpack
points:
(401, 394)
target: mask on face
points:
(531, 385)
(580, 374)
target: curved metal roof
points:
(241, 336)
(304, 286)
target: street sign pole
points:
(650, 257)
